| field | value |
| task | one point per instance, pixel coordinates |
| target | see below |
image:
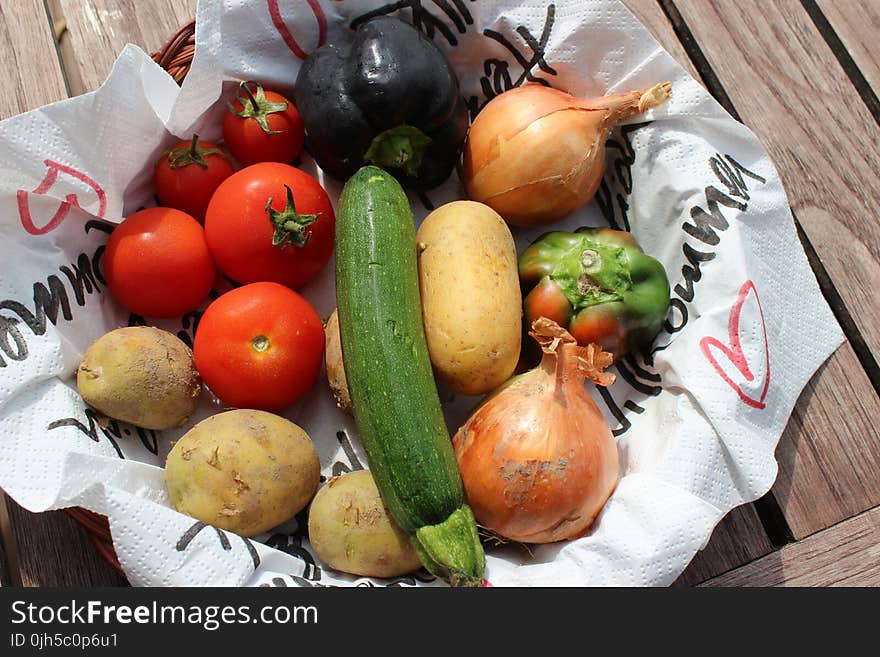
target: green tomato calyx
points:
(255, 106)
(290, 225)
(194, 154)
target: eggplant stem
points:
(402, 148)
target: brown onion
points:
(535, 154)
(537, 458)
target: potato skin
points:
(141, 375)
(243, 470)
(351, 530)
(471, 299)
(334, 365)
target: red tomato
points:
(288, 242)
(157, 263)
(259, 346)
(188, 174)
(262, 126)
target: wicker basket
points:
(175, 56)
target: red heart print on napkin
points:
(733, 352)
(278, 22)
(54, 169)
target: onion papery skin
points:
(537, 458)
(535, 154)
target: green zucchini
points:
(394, 396)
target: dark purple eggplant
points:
(385, 96)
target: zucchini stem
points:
(452, 549)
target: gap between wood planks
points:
(62, 45)
(823, 559)
(97, 31)
(769, 511)
(847, 63)
(767, 507)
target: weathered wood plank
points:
(28, 60)
(652, 17)
(97, 30)
(738, 539)
(50, 548)
(788, 87)
(829, 456)
(847, 554)
(7, 547)
(855, 22)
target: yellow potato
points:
(141, 375)
(471, 299)
(334, 365)
(243, 470)
(351, 530)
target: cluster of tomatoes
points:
(264, 224)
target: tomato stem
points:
(194, 154)
(290, 226)
(256, 106)
(260, 343)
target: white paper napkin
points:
(697, 424)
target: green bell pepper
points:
(599, 285)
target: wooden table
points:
(803, 76)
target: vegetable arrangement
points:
(443, 305)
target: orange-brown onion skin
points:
(530, 159)
(533, 471)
